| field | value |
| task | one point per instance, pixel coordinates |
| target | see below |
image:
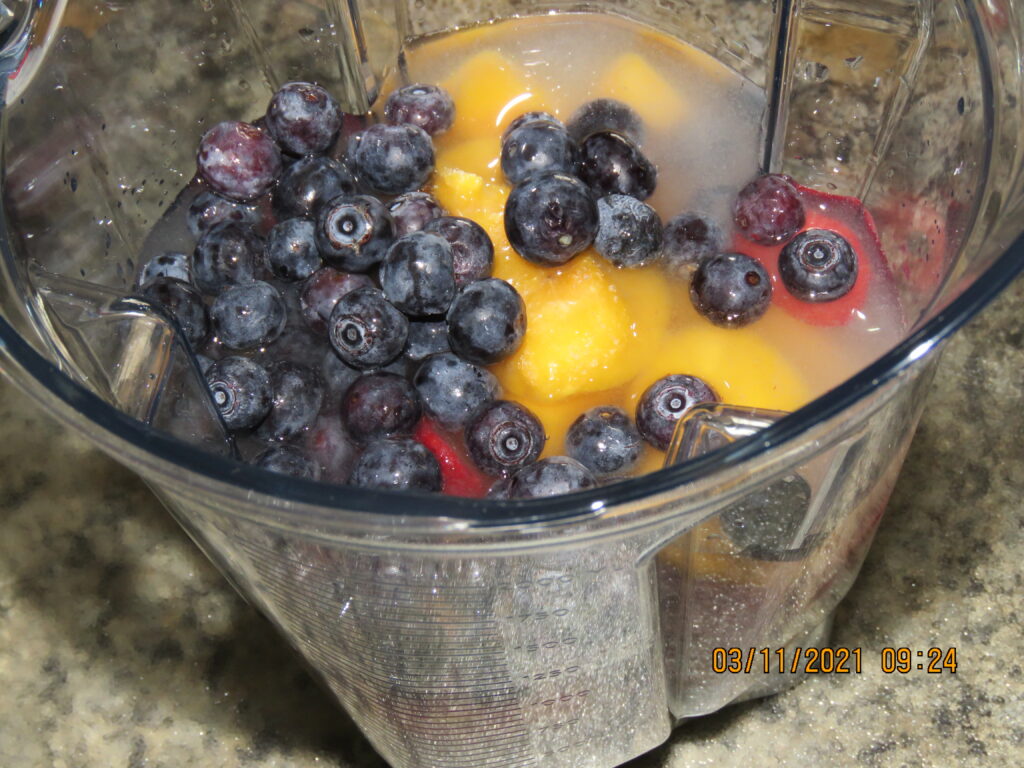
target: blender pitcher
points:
(572, 631)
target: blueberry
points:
(764, 524)
(247, 316)
(665, 402)
(472, 249)
(288, 460)
(550, 218)
(628, 231)
(500, 489)
(818, 265)
(553, 476)
(241, 391)
(332, 448)
(605, 115)
(536, 147)
(768, 210)
(298, 395)
(184, 303)
(394, 159)
(503, 437)
(688, 241)
(172, 264)
(354, 233)
(366, 330)
(413, 211)
(400, 464)
(380, 404)
(610, 164)
(604, 440)
(486, 321)
(453, 390)
(238, 160)
(426, 339)
(426, 106)
(321, 292)
(337, 375)
(303, 118)
(731, 290)
(209, 208)
(418, 276)
(291, 249)
(226, 254)
(530, 117)
(310, 183)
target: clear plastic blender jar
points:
(572, 631)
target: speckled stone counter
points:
(120, 646)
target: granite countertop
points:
(120, 645)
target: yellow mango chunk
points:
(578, 332)
(631, 79)
(736, 363)
(478, 156)
(489, 93)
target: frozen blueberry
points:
(321, 292)
(426, 338)
(298, 395)
(354, 233)
(688, 241)
(303, 118)
(628, 231)
(291, 249)
(413, 211)
(397, 464)
(238, 160)
(184, 303)
(531, 117)
(665, 402)
(427, 106)
(332, 448)
(503, 437)
(366, 330)
(472, 249)
(288, 460)
(550, 218)
(768, 210)
(241, 391)
(611, 164)
(209, 208)
(818, 265)
(172, 264)
(204, 363)
(536, 147)
(248, 316)
(394, 159)
(765, 523)
(731, 290)
(453, 390)
(417, 274)
(500, 489)
(605, 115)
(604, 440)
(553, 476)
(336, 374)
(226, 254)
(486, 321)
(310, 183)
(380, 404)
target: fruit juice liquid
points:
(600, 335)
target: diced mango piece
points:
(736, 363)
(578, 333)
(489, 93)
(479, 156)
(631, 79)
